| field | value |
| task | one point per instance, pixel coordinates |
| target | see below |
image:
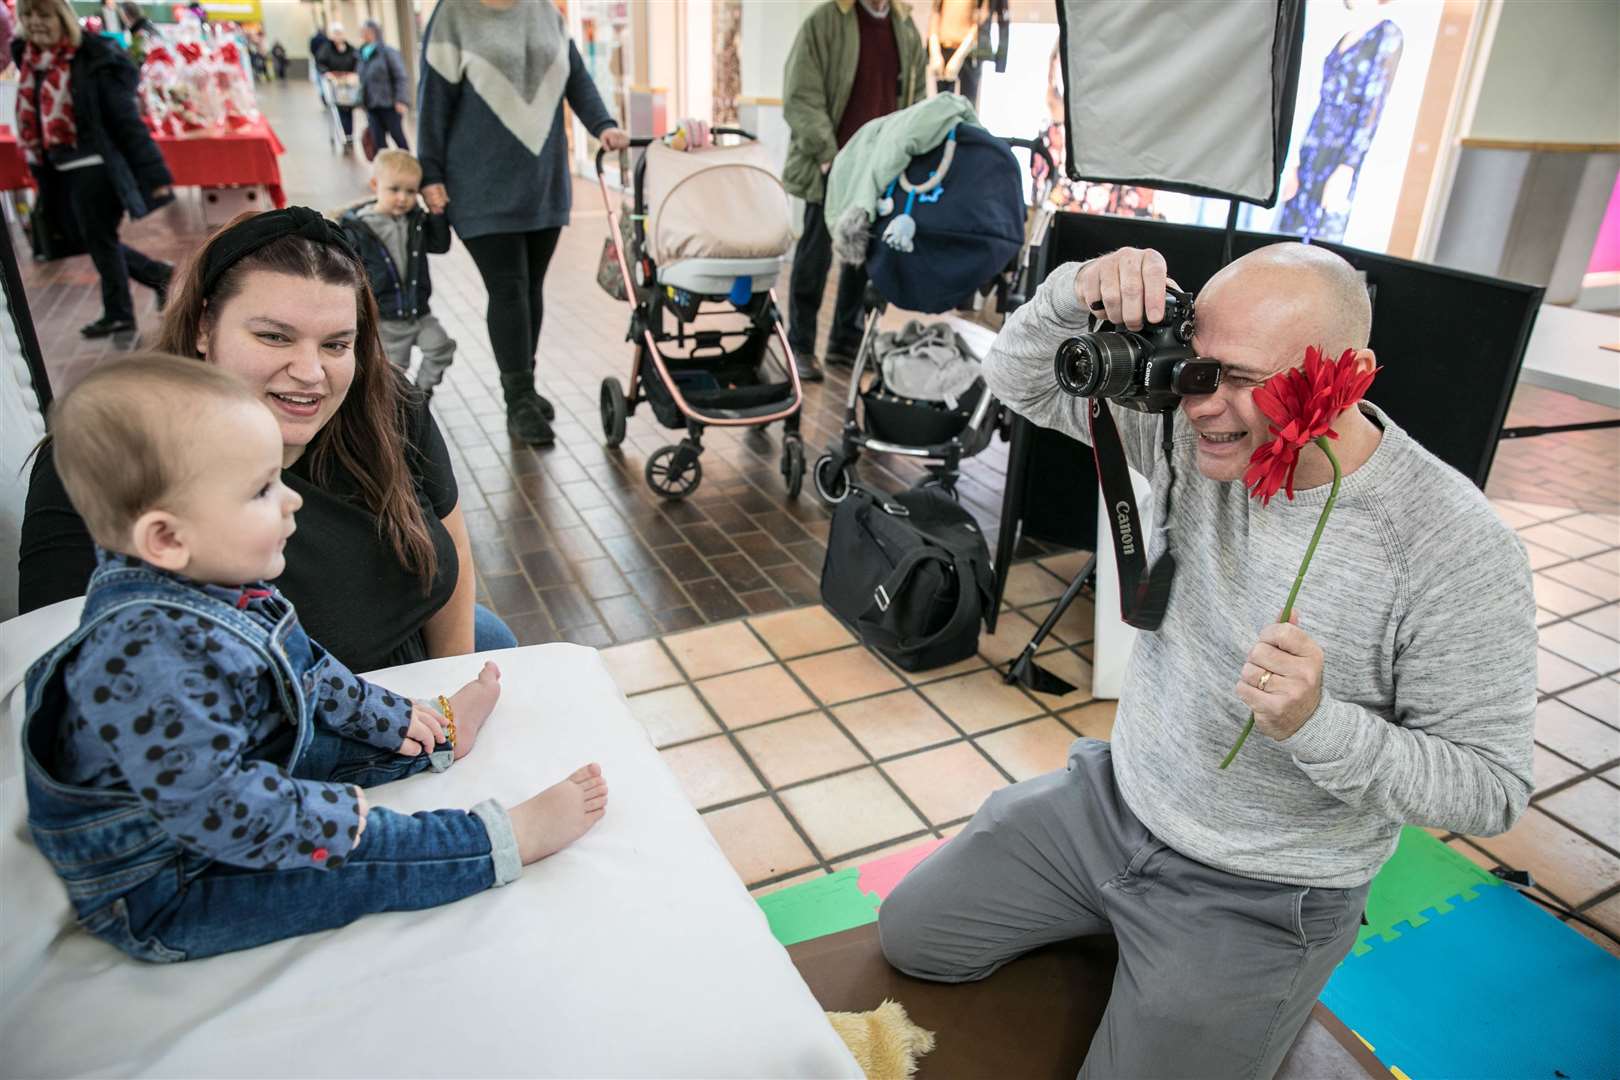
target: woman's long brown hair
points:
(365, 437)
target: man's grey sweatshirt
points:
(1419, 596)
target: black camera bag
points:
(910, 575)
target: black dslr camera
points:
(1149, 370)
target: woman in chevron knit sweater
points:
(494, 156)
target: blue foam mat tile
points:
(1497, 988)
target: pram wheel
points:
(793, 466)
(832, 484)
(674, 471)
(614, 411)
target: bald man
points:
(1405, 694)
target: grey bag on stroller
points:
(927, 363)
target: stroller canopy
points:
(723, 202)
(963, 232)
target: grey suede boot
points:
(525, 419)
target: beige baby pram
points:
(700, 244)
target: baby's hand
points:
(426, 731)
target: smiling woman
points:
(381, 566)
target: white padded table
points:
(635, 952)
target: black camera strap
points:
(1144, 593)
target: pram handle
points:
(1034, 146)
(639, 143)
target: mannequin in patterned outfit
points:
(1356, 78)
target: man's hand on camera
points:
(1124, 286)
(1289, 665)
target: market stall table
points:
(221, 159)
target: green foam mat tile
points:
(816, 908)
(1424, 879)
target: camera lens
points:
(1101, 364)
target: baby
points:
(195, 764)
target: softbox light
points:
(1194, 96)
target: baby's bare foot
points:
(560, 814)
(473, 703)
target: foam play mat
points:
(1455, 975)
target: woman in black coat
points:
(90, 152)
(338, 57)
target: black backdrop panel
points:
(1451, 345)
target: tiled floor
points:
(804, 751)
(807, 753)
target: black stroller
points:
(955, 264)
(703, 238)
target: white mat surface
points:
(636, 952)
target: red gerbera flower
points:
(1301, 404)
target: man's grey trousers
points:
(1217, 973)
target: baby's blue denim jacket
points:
(160, 733)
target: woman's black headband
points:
(243, 239)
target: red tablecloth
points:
(247, 156)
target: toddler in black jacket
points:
(394, 236)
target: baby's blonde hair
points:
(121, 437)
(396, 162)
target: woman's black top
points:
(345, 60)
(352, 593)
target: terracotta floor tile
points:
(1030, 749)
(641, 666)
(1554, 673)
(1607, 944)
(1515, 519)
(961, 667)
(1562, 540)
(846, 674)
(1587, 648)
(1552, 770)
(1072, 669)
(1606, 914)
(850, 812)
(1473, 854)
(754, 696)
(1563, 599)
(882, 852)
(1592, 806)
(758, 839)
(1095, 720)
(1605, 621)
(1560, 598)
(894, 723)
(799, 748)
(1541, 557)
(673, 715)
(1600, 699)
(948, 783)
(714, 650)
(796, 879)
(801, 631)
(1028, 583)
(1575, 735)
(711, 771)
(1569, 867)
(1013, 632)
(1587, 578)
(1538, 511)
(1066, 565)
(1605, 560)
(1602, 527)
(979, 702)
(1077, 624)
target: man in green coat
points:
(852, 61)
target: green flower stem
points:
(1299, 578)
